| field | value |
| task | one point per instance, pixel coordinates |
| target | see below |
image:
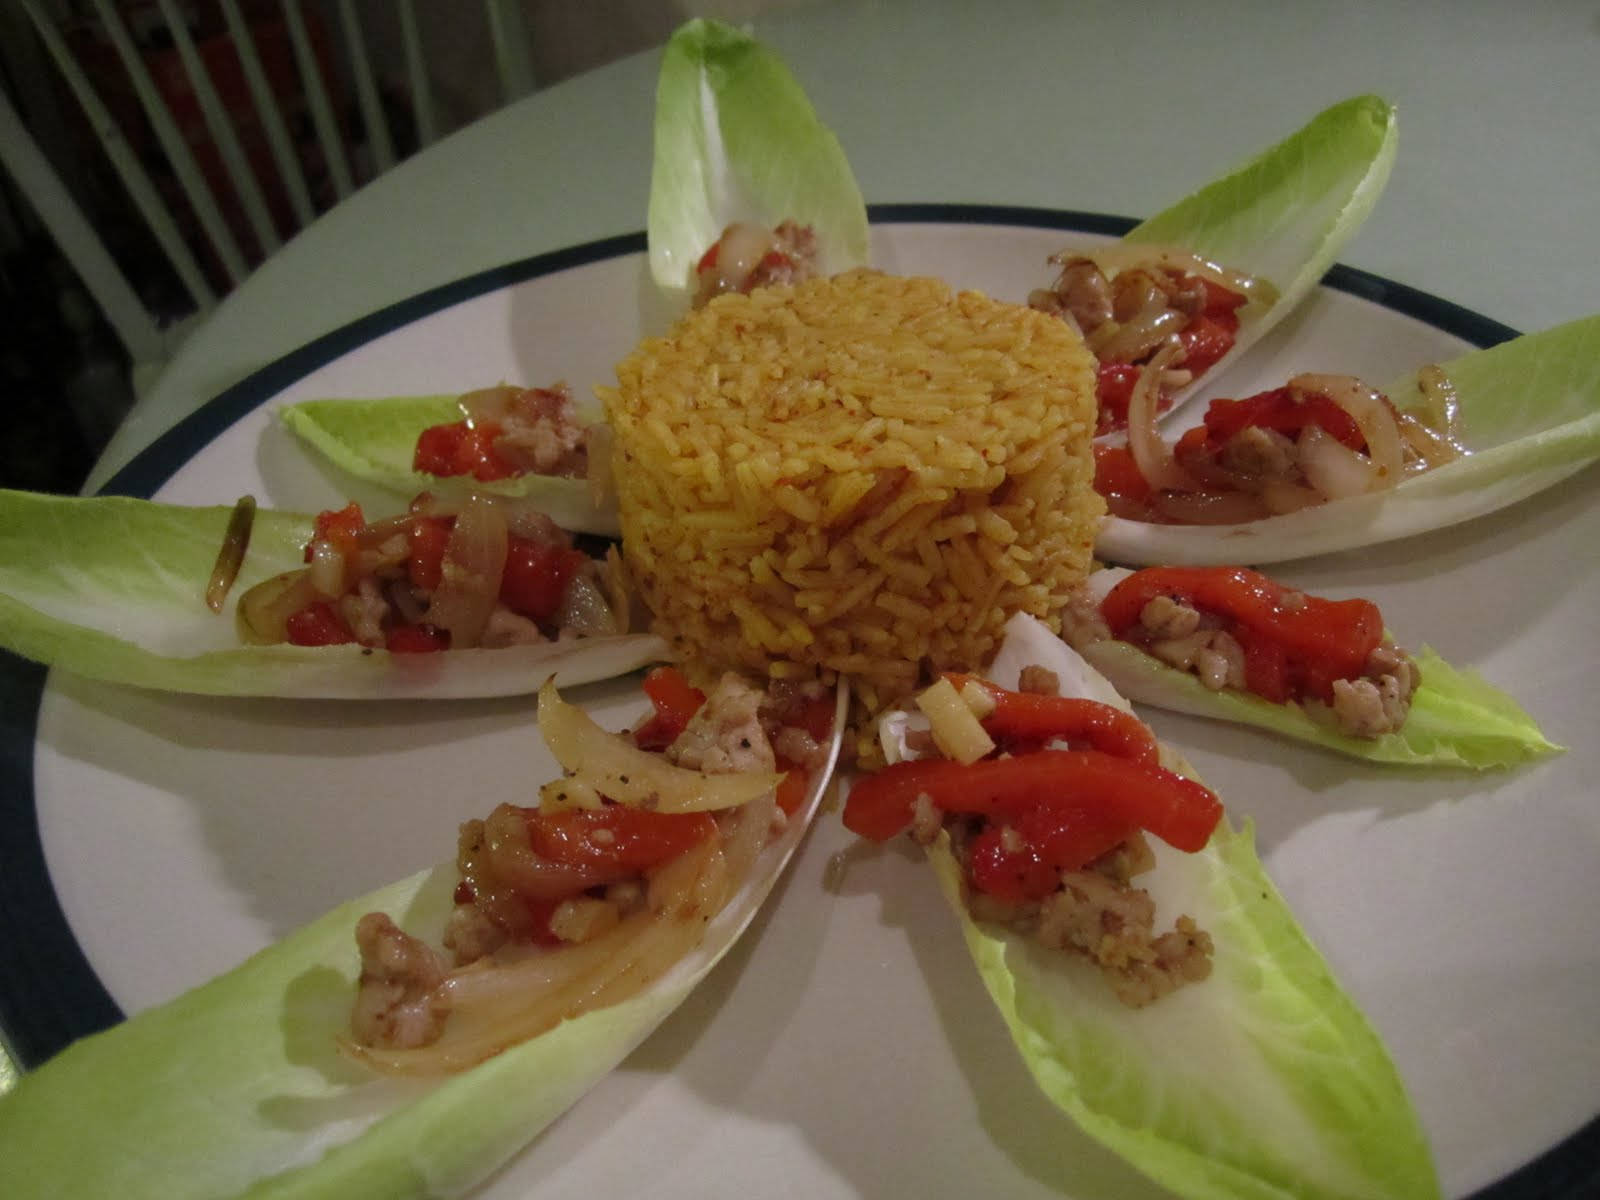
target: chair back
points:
(228, 124)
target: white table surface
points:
(1100, 106)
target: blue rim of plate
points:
(39, 1018)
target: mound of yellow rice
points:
(861, 476)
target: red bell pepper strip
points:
(1179, 811)
(1297, 646)
(614, 837)
(1037, 718)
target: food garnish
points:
(535, 443)
(1232, 644)
(112, 588)
(235, 543)
(485, 572)
(738, 145)
(1449, 442)
(1260, 238)
(255, 1083)
(1223, 1058)
(1156, 320)
(749, 256)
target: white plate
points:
(847, 1047)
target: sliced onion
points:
(263, 612)
(1333, 468)
(1428, 447)
(469, 584)
(741, 249)
(615, 767)
(584, 608)
(1280, 496)
(327, 569)
(1371, 412)
(1151, 454)
(1129, 341)
(489, 404)
(1121, 256)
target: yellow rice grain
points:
(860, 476)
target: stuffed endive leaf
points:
(239, 1088)
(114, 588)
(1280, 219)
(736, 140)
(1528, 416)
(1261, 1080)
(1456, 718)
(376, 440)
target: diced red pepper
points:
(1207, 338)
(1220, 299)
(1014, 874)
(675, 700)
(317, 625)
(792, 790)
(427, 540)
(1113, 392)
(536, 576)
(462, 448)
(1118, 478)
(340, 526)
(1292, 647)
(1279, 410)
(1175, 809)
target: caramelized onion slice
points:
(1371, 412)
(263, 612)
(1151, 454)
(235, 542)
(469, 584)
(615, 767)
(1333, 468)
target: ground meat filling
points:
(726, 734)
(1097, 913)
(512, 902)
(398, 1002)
(540, 433)
(1371, 705)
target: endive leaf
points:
(1457, 719)
(1264, 1080)
(1529, 417)
(736, 139)
(376, 440)
(236, 1089)
(114, 588)
(1285, 214)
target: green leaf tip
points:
(737, 139)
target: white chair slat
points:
(417, 75)
(372, 115)
(123, 161)
(123, 309)
(222, 132)
(255, 77)
(172, 144)
(508, 27)
(322, 118)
